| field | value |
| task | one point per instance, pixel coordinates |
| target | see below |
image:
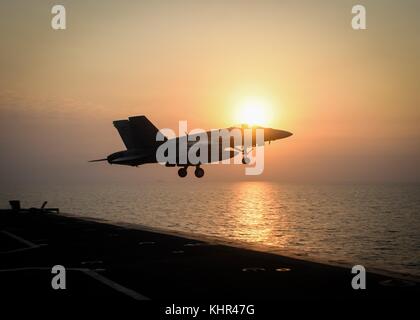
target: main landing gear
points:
(199, 172)
(182, 172)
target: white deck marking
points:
(18, 250)
(24, 269)
(28, 243)
(112, 284)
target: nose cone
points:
(283, 134)
(279, 134)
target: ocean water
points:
(376, 226)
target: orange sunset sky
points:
(351, 98)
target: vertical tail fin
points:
(137, 132)
(123, 127)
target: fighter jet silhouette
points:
(140, 138)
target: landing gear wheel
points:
(182, 172)
(199, 173)
(246, 160)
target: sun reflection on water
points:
(253, 204)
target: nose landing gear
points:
(246, 160)
(245, 152)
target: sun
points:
(253, 111)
